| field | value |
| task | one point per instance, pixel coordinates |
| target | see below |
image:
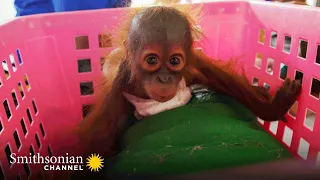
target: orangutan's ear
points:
(124, 43)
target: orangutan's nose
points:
(164, 79)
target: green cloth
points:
(213, 131)
(283, 72)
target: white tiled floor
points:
(7, 11)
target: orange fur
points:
(111, 109)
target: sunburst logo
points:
(95, 162)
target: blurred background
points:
(8, 12)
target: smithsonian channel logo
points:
(61, 163)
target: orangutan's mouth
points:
(161, 98)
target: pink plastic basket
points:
(43, 62)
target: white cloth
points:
(148, 107)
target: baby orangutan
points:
(157, 54)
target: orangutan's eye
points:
(152, 60)
(175, 61)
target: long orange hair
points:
(103, 127)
